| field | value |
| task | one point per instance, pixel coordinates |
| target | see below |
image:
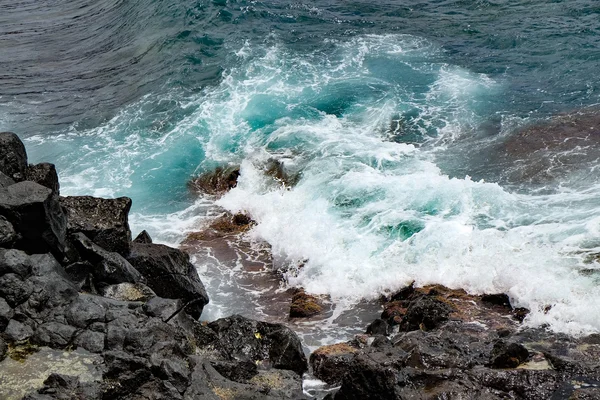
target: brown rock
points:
(216, 182)
(304, 305)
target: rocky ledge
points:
(73, 280)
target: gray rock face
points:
(104, 221)
(5, 180)
(13, 157)
(44, 174)
(170, 274)
(7, 233)
(35, 213)
(108, 267)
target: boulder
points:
(217, 182)
(330, 363)
(425, 312)
(508, 355)
(268, 344)
(13, 157)
(378, 327)
(108, 267)
(304, 305)
(44, 174)
(36, 215)
(6, 314)
(169, 273)
(368, 379)
(103, 221)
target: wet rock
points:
(520, 313)
(508, 355)
(222, 226)
(368, 379)
(498, 299)
(36, 215)
(217, 182)
(7, 233)
(109, 267)
(425, 312)
(330, 363)
(104, 221)
(44, 174)
(169, 273)
(304, 305)
(277, 170)
(13, 157)
(393, 312)
(405, 293)
(269, 344)
(5, 181)
(143, 237)
(129, 292)
(378, 327)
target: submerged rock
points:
(304, 305)
(103, 221)
(216, 182)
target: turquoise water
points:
(394, 114)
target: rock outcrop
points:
(71, 279)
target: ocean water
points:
(402, 120)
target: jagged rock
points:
(129, 292)
(304, 305)
(82, 275)
(224, 225)
(103, 221)
(330, 363)
(44, 174)
(14, 289)
(109, 267)
(498, 299)
(36, 215)
(170, 274)
(143, 237)
(270, 344)
(216, 182)
(7, 233)
(5, 181)
(425, 312)
(13, 157)
(508, 355)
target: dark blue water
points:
(403, 119)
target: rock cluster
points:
(72, 278)
(437, 343)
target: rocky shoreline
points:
(74, 284)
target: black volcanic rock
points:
(35, 213)
(104, 221)
(13, 157)
(143, 237)
(44, 174)
(170, 274)
(108, 267)
(244, 339)
(7, 233)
